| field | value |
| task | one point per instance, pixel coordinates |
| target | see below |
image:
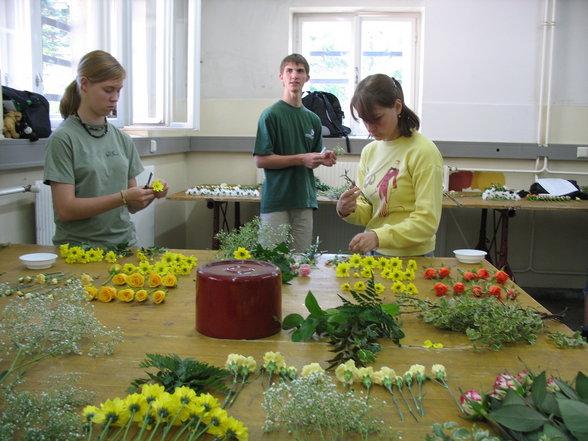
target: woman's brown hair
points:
(382, 90)
(96, 66)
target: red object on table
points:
(239, 299)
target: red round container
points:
(238, 299)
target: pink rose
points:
(471, 403)
(304, 270)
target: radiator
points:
(144, 220)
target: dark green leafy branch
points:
(353, 329)
(176, 372)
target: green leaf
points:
(512, 397)
(566, 389)
(582, 386)
(518, 417)
(575, 415)
(539, 389)
(292, 321)
(307, 328)
(553, 433)
(338, 318)
(391, 308)
(312, 305)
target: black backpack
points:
(34, 108)
(327, 107)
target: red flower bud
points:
(440, 289)
(483, 273)
(458, 288)
(501, 277)
(430, 273)
(477, 291)
(495, 291)
(444, 272)
(468, 275)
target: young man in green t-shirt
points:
(288, 147)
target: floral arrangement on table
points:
(225, 190)
(62, 323)
(547, 197)
(497, 192)
(261, 242)
(353, 329)
(527, 406)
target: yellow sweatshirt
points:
(403, 180)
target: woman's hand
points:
(139, 197)
(162, 193)
(364, 242)
(347, 202)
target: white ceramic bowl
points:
(469, 256)
(37, 261)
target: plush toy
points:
(12, 121)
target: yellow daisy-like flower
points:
(152, 391)
(142, 257)
(106, 294)
(161, 267)
(411, 289)
(129, 268)
(165, 407)
(386, 273)
(241, 253)
(93, 414)
(398, 286)
(94, 255)
(137, 405)
(207, 401)
(158, 297)
(154, 280)
(157, 186)
(136, 280)
(126, 295)
(91, 292)
(235, 429)
(366, 272)
(342, 272)
(368, 261)
(168, 258)
(355, 260)
(312, 368)
(145, 267)
(346, 287)
(169, 281)
(411, 265)
(395, 263)
(64, 250)
(115, 411)
(409, 275)
(119, 279)
(141, 295)
(110, 257)
(359, 286)
(379, 288)
(397, 274)
(75, 253)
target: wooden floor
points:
(170, 328)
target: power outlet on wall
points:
(582, 152)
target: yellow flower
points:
(151, 391)
(158, 297)
(136, 280)
(359, 286)
(368, 261)
(157, 186)
(154, 280)
(141, 295)
(398, 286)
(137, 405)
(64, 250)
(385, 373)
(215, 420)
(129, 268)
(411, 289)
(242, 253)
(86, 279)
(41, 279)
(169, 281)
(93, 414)
(355, 260)
(106, 294)
(342, 271)
(119, 279)
(274, 359)
(207, 401)
(235, 429)
(438, 371)
(144, 267)
(165, 407)
(409, 275)
(346, 287)
(379, 288)
(346, 372)
(411, 265)
(91, 292)
(396, 275)
(395, 263)
(126, 295)
(115, 411)
(161, 267)
(366, 272)
(110, 257)
(94, 255)
(429, 344)
(386, 273)
(311, 368)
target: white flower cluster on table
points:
(224, 190)
(499, 194)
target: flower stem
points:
(395, 401)
(407, 404)
(129, 423)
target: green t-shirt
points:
(287, 130)
(97, 167)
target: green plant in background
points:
(486, 322)
(353, 329)
(176, 372)
(562, 340)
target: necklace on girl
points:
(93, 128)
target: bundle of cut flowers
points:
(533, 407)
(155, 413)
(225, 190)
(497, 192)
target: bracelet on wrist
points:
(122, 197)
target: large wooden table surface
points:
(170, 328)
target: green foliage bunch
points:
(176, 372)
(485, 321)
(534, 407)
(353, 329)
(451, 431)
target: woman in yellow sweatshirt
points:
(399, 188)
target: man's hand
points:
(364, 242)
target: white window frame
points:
(357, 16)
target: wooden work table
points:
(169, 328)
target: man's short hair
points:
(296, 59)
